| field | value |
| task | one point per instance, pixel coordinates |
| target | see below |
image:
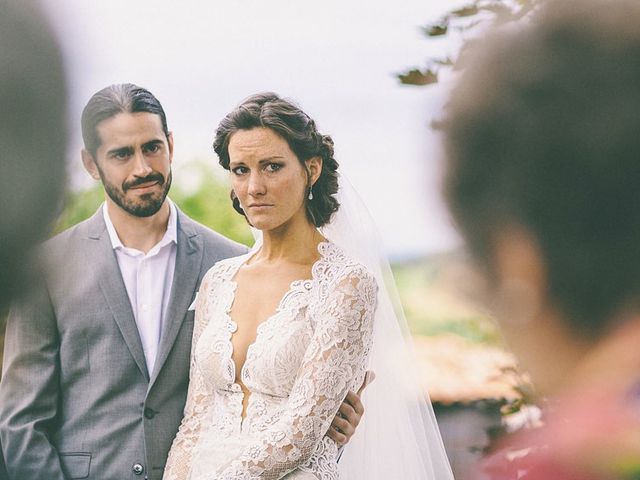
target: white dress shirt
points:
(148, 279)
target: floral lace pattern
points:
(305, 358)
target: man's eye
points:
(153, 148)
(121, 155)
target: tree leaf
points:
(467, 11)
(445, 62)
(497, 8)
(418, 77)
(437, 29)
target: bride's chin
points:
(261, 224)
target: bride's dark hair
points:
(285, 118)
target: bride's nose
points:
(256, 185)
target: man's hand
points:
(349, 415)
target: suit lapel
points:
(185, 280)
(113, 288)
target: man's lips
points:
(144, 186)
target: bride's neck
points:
(297, 243)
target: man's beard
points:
(147, 204)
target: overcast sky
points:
(336, 58)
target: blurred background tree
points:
(465, 22)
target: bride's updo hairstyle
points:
(282, 116)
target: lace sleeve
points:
(334, 360)
(198, 398)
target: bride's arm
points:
(198, 400)
(334, 360)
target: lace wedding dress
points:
(305, 358)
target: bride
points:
(284, 332)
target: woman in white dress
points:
(284, 332)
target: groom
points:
(96, 361)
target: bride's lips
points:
(260, 205)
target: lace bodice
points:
(305, 358)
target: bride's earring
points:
(310, 196)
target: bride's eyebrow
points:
(239, 163)
(270, 159)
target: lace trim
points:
(296, 288)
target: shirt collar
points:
(171, 235)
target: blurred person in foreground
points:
(543, 152)
(32, 138)
(32, 141)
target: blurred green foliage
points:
(433, 306)
(79, 206)
(207, 202)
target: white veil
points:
(398, 436)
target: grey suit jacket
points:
(76, 399)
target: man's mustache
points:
(153, 177)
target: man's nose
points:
(141, 167)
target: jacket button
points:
(149, 413)
(138, 469)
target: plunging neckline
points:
(303, 285)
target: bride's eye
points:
(239, 170)
(273, 167)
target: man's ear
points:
(314, 167)
(170, 142)
(90, 164)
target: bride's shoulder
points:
(336, 267)
(224, 269)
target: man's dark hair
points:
(112, 100)
(543, 132)
(33, 137)
(285, 118)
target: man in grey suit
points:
(92, 386)
(97, 358)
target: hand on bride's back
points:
(348, 418)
